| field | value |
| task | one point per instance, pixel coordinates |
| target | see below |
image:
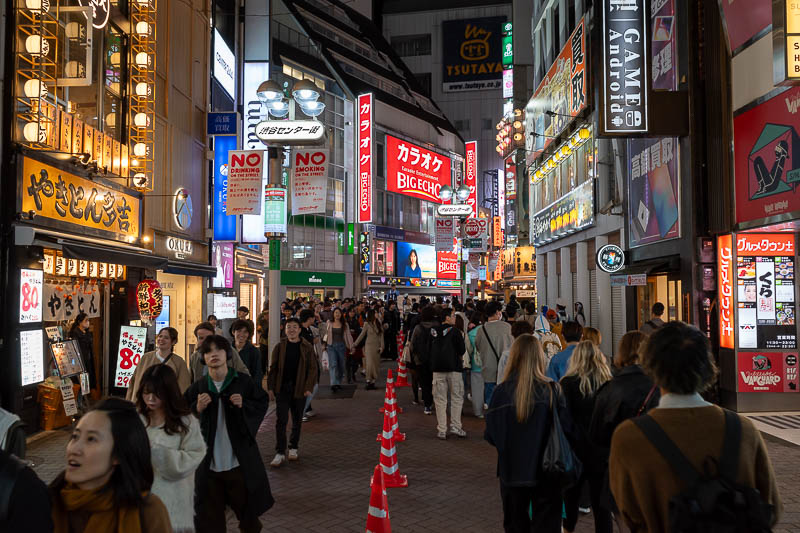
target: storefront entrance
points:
(664, 288)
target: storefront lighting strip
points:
(62, 238)
(563, 151)
(142, 91)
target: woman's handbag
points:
(560, 466)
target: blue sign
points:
(222, 123)
(162, 321)
(224, 225)
(393, 234)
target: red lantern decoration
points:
(150, 299)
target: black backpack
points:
(423, 344)
(712, 501)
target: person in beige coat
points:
(166, 340)
(373, 347)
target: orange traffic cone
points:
(402, 375)
(378, 513)
(400, 345)
(388, 461)
(387, 398)
(390, 412)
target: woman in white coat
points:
(373, 346)
(176, 444)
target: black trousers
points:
(223, 489)
(426, 382)
(286, 403)
(572, 498)
(517, 502)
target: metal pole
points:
(462, 265)
(274, 273)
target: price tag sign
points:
(131, 348)
(70, 405)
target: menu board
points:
(31, 351)
(766, 302)
(67, 357)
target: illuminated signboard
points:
(725, 267)
(224, 65)
(364, 158)
(471, 175)
(572, 212)
(415, 171)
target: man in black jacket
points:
(230, 407)
(446, 361)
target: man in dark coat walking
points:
(230, 407)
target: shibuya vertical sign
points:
(364, 153)
(625, 50)
(471, 175)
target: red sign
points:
(447, 263)
(767, 158)
(725, 282)
(767, 372)
(364, 158)
(745, 18)
(415, 171)
(511, 178)
(471, 175)
(149, 298)
(765, 244)
(476, 227)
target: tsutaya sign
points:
(291, 132)
(364, 152)
(624, 87)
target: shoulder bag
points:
(560, 466)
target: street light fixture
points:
(269, 91)
(446, 193)
(462, 193)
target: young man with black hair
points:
(572, 332)
(231, 407)
(250, 355)
(446, 363)
(655, 321)
(291, 379)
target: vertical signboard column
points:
(725, 267)
(364, 158)
(471, 175)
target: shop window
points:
(390, 217)
(412, 45)
(581, 164)
(424, 80)
(381, 160)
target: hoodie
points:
(447, 349)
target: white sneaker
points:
(292, 454)
(442, 435)
(458, 432)
(278, 461)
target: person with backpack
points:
(518, 423)
(551, 344)
(688, 465)
(446, 362)
(655, 321)
(476, 374)
(491, 340)
(529, 315)
(421, 340)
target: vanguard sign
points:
(415, 171)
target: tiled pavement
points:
(453, 487)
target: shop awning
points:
(190, 269)
(107, 254)
(651, 267)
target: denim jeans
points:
(488, 389)
(336, 354)
(311, 397)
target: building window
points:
(462, 125)
(380, 154)
(424, 79)
(412, 45)
(486, 124)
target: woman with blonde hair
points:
(518, 424)
(593, 335)
(588, 370)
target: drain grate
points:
(780, 421)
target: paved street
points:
(452, 484)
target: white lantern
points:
(74, 69)
(32, 132)
(141, 120)
(38, 5)
(142, 89)
(37, 45)
(143, 28)
(111, 120)
(140, 180)
(34, 89)
(142, 59)
(74, 30)
(140, 150)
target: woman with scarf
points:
(164, 354)
(106, 484)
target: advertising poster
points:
(472, 57)
(653, 190)
(245, 176)
(131, 349)
(447, 262)
(30, 295)
(765, 291)
(275, 209)
(767, 372)
(562, 91)
(662, 17)
(224, 223)
(445, 231)
(573, 212)
(416, 260)
(744, 19)
(31, 351)
(223, 262)
(415, 171)
(767, 158)
(364, 140)
(225, 306)
(309, 181)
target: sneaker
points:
(305, 418)
(292, 454)
(441, 435)
(469, 396)
(584, 510)
(310, 413)
(278, 461)
(485, 407)
(428, 411)
(479, 416)
(414, 402)
(458, 433)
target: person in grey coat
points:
(491, 340)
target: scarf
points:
(100, 504)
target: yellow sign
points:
(57, 195)
(793, 56)
(792, 17)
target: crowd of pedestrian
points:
(628, 438)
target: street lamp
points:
(462, 193)
(446, 193)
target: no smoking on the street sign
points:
(476, 227)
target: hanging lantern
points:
(149, 299)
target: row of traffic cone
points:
(387, 473)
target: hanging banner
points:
(445, 231)
(653, 190)
(471, 175)
(664, 55)
(309, 181)
(472, 54)
(497, 232)
(364, 163)
(224, 223)
(131, 349)
(30, 295)
(245, 175)
(275, 209)
(223, 262)
(767, 372)
(415, 171)
(62, 301)
(476, 228)
(447, 262)
(623, 91)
